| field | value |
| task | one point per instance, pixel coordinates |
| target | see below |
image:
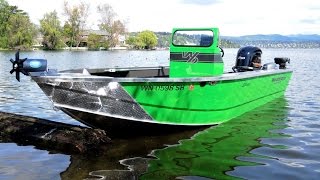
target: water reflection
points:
(215, 153)
(81, 165)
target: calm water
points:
(279, 140)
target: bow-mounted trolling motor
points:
(33, 67)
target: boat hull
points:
(102, 102)
(124, 128)
(206, 102)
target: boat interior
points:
(244, 63)
(146, 72)
(155, 72)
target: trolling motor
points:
(25, 66)
(282, 62)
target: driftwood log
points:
(51, 135)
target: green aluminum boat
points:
(194, 90)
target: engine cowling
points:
(244, 59)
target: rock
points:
(51, 135)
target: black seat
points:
(206, 40)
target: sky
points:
(232, 17)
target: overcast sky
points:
(233, 17)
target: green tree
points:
(67, 34)
(114, 28)
(163, 39)
(6, 12)
(21, 31)
(4, 17)
(148, 38)
(77, 16)
(16, 29)
(139, 44)
(130, 41)
(94, 41)
(51, 31)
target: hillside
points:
(260, 40)
(275, 37)
(277, 40)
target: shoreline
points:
(51, 135)
(161, 49)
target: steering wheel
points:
(222, 51)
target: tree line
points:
(17, 30)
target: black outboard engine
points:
(282, 61)
(245, 58)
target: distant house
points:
(104, 34)
(37, 42)
(84, 38)
(85, 34)
(122, 40)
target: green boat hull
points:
(204, 103)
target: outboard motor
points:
(27, 66)
(245, 56)
(282, 61)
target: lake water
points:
(279, 140)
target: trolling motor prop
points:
(282, 62)
(25, 66)
(17, 66)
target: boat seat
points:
(206, 40)
(269, 66)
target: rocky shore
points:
(51, 135)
